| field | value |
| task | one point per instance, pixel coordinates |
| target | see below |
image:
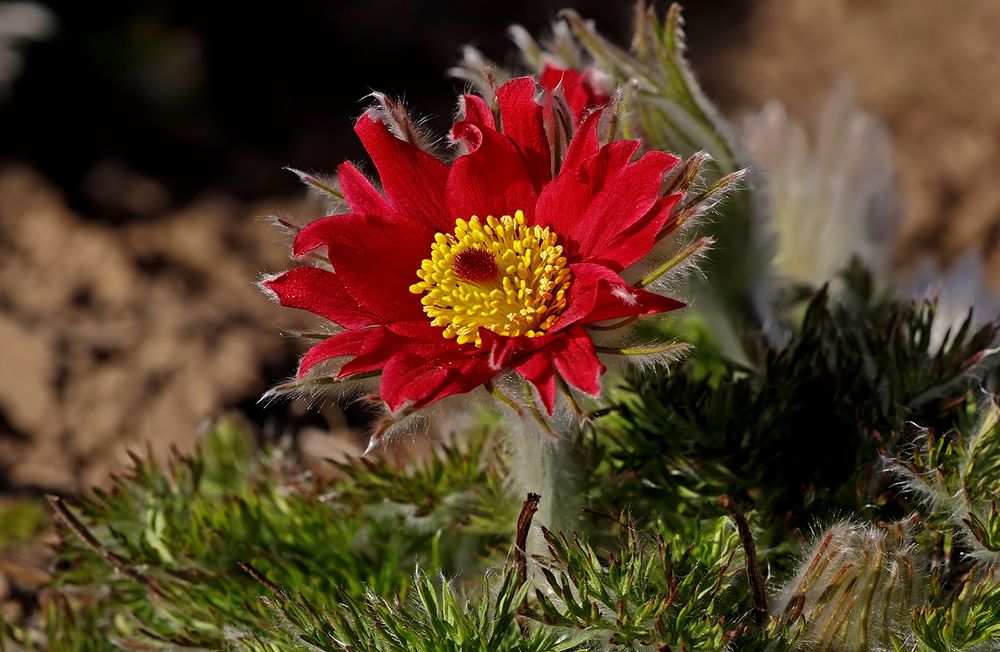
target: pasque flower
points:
(505, 259)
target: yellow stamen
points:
(504, 276)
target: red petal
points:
(478, 112)
(576, 361)
(413, 180)
(523, 124)
(616, 301)
(359, 193)
(552, 77)
(626, 247)
(610, 160)
(583, 146)
(422, 372)
(319, 292)
(598, 293)
(316, 234)
(491, 179)
(502, 350)
(376, 258)
(560, 206)
(421, 329)
(537, 369)
(376, 353)
(563, 201)
(627, 197)
(347, 343)
(388, 341)
(419, 366)
(579, 88)
(623, 197)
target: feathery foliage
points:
(844, 390)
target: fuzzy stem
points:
(543, 461)
(681, 256)
(651, 350)
(536, 412)
(503, 398)
(564, 389)
(317, 183)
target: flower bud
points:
(856, 588)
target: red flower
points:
(453, 273)
(584, 90)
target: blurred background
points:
(142, 143)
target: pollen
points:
(501, 274)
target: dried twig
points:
(758, 587)
(528, 509)
(249, 569)
(112, 559)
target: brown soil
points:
(118, 337)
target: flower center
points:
(475, 265)
(504, 276)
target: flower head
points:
(856, 587)
(503, 260)
(829, 201)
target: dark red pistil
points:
(475, 265)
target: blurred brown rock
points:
(111, 337)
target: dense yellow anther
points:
(524, 296)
